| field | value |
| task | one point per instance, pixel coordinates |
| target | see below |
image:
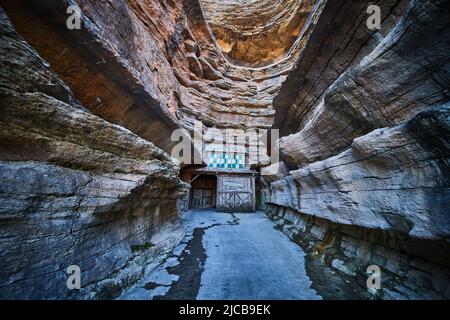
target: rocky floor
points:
(233, 256)
(228, 256)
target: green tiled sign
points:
(226, 161)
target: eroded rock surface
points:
(338, 256)
(390, 85)
(367, 142)
(86, 119)
(256, 33)
(76, 190)
(393, 178)
(159, 68)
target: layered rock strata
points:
(338, 257)
(390, 85)
(75, 190)
(155, 61)
(87, 117)
(367, 144)
(256, 33)
(339, 41)
(393, 179)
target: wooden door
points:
(201, 198)
(236, 194)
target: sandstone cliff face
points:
(112, 64)
(393, 178)
(76, 190)
(388, 86)
(368, 142)
(391, 86)
(256, 33)
(150, 66)
(340, 41)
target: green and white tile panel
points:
(226, 161)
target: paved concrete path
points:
(229, 256)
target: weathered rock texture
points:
(87, 116)
(256, 33)
(368, 136)
(390, 85)
(339, 41)
(150, 66)
(411, 268)
(393, 178)
(75, 189)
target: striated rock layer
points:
(367, 140)
(256, 33)
(339, 41)
(86, 119)
(393, 178)
(390, 85)
(411, 268)
(151, 66)
(75, 190)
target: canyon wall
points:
(368, 148)
(74, 178)
(151, 66)
(87, 114)
(256, 33)
(75, 190)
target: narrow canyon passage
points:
(226, 256)
(224, 149)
